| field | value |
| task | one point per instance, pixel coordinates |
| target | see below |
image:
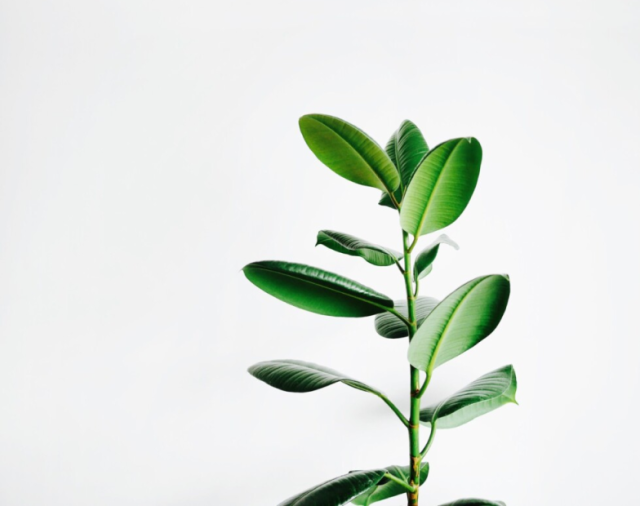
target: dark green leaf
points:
(337, 491)
(350, 245)
(390, 326)
(474, 502)
(463, 319)
(349, 152)
(299, 377)
(405, 148)
(485, 394)
(316, 290)
(425, 259)
(387, 488)
(386, 201)
(441, 186)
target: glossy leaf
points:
(474, 502)
(350, 245)
(441, 186)
(390, 326)
(463, 319)
(386, 201)
(487, 393)
(405, 148)
(299, 377)
(349, 152)
(387, 488)
(425, 259)
(337, 491)
(316, 290)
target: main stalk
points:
(414, 417)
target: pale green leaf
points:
(487, 393)
(441, 186)
(425, 259)
(463, 319)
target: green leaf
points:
(489, 392)
(474, 502)
(337, 491)
(316, 290)
(390, 326)
(441, 186)
(349, 152)
(387, 488)
(405, 148)
(422, 266)
(463, 319)
(350, 245)
(299, 377)
(386, 201)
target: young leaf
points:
(425, 259)
(316, 290)
(405, 148)
(386, 201)
(337, 491)
(441, 186)
(387, 488)
(474, 502)
(349, 152)
(390, 326)
(489, 392)
(463, 319)
(350, 245)
(299, 377)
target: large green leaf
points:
(316, 290)
(485, 394)
(298, 376)
(390, 326)
(349, 152)
(387, 488)
(405, 148)
(337, 491)
(474, 502)
(463, 319)
(350, 245)
(441, 186)
(425, 259)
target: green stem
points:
(414, 418)
(406, 321)
(425, 385)
(395, 409)
(432, 435)
(399, 482)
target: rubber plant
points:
(429, 188)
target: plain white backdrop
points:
(150, 149)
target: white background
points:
(150, 149)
